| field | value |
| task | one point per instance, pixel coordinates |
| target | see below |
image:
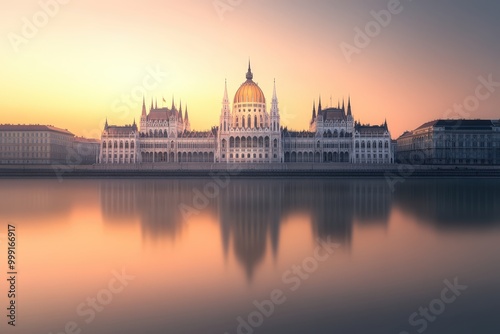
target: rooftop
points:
(33, 127)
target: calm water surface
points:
(206, 264)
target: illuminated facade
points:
(248, 132)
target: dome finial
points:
(249, 73)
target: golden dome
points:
(249, 92)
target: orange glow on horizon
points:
(75, 70)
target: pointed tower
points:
(180, 112)
(312, 124)
(319, 106)
(152, 105)
(275, 112)
(225, 113)
(249, 73)
(343, 106)
(187, 125)
(173, 104)
(349, 111)
(314, 112)
(106, 124)
(143, 106)
(144, 116)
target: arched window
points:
(275, 143)
(243, 121)
(237, 122)
(255, 122)
(126, 144)
(368, 145)
(386, 144)
(103, 144)
(357, 144)
(249, 121)
(121, 144)
(132, 145)
(363, 144)
(116, 144)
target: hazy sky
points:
(88, 57)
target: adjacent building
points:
(248, 132)
(44, 144)
(451, 142)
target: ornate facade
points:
(248, 132)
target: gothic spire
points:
(143, 106)
(275, 97)
(186, 116)
(249, 73)
(180, 111)
(226, 99)
(314, 112)
(349, 112)
(319, 106)
(173, 103)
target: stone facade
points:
(451, 142)
(247, 133)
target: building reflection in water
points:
(449, 203)
(250, 212)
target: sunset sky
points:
(90, 54)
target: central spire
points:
(249, 73)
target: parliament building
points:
(248, 132)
